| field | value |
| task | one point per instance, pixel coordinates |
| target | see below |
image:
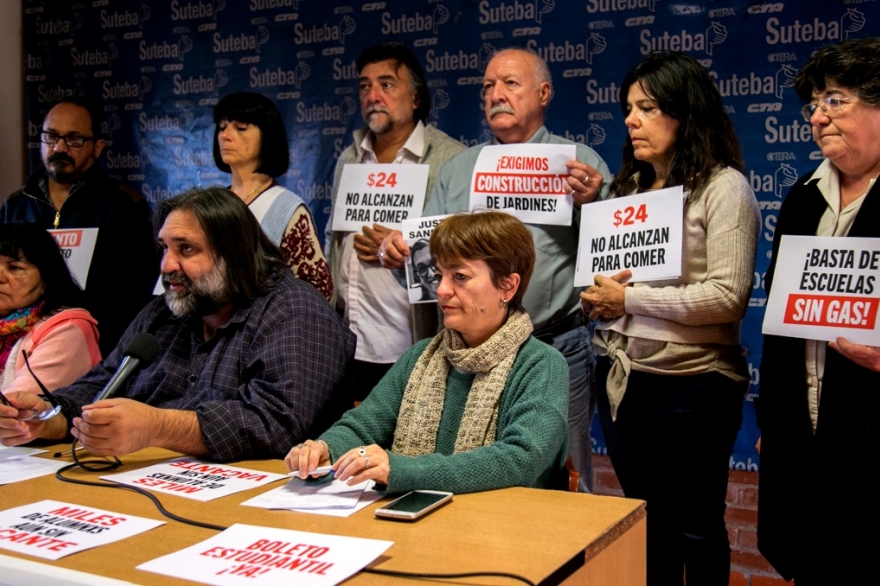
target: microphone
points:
(141, 352)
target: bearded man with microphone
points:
(238, 360)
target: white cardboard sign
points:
(529, 181)
(247, 554)
(825, 288)
(194, 479)
(642, 233)
(379, 194)
(421, 282)
(52, 530)
(77, 247)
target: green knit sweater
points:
(530, 446)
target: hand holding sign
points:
(393, 250)
(584, 181)
(866, 356)
(606, 299)
(366, 244)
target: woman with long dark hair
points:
(671, 373)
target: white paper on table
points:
(18, 452)
(18, 468)
(194, 479)
(305, 495)
(52, 529)
(247, 554)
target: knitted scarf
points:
(422, 405)
(14, 326)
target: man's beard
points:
(377, 127)
(57, 173)
(203, 296)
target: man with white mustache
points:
(395, 103)
(517, 88)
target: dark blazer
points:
(813, 488)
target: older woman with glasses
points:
(819, 402)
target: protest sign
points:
(642, 233)
(825, 288)
(247, 554)
(379, 194)
(77, 247)
(421, 274)
(527, 180)
(201, 481)
(52, 529)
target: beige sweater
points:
(691, 325)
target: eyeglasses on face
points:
(829, 105)
(71, 140)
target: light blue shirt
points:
(551, 296)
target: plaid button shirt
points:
(265, 381)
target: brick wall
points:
(748, 567)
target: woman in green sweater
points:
(483, 404)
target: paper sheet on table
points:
(246, 554)
(317, 497)
(53, 529)
(18, 468)
(18, 452)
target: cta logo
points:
(163, 50)
(196, 10)
(324, 112)
(324, 32)
(124, 89)
(241, 42)
(517, 11)
(776, 183)
(684, 41)
(279, 77)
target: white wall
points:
(12, 139)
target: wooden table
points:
(550, 537)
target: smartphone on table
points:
(414, 505)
